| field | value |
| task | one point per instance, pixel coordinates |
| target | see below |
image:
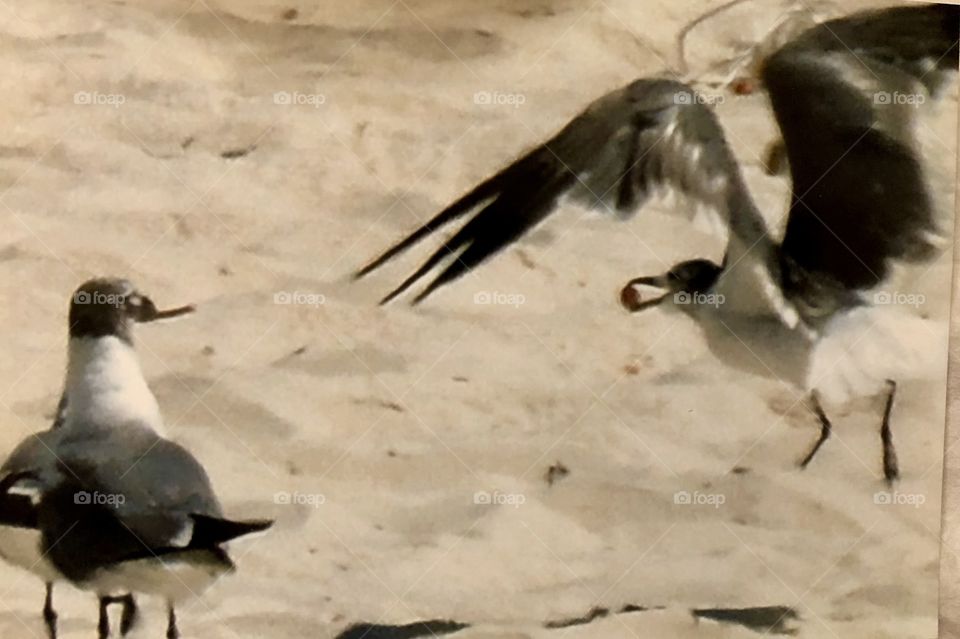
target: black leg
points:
(49, 614)
(891, 469)
(825, 428)
(130, 614)
(172, 632)
(103, 625)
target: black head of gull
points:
(108, 307)
(860, 200)
(685, 281)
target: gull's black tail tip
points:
(212, 531)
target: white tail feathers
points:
(864, 347)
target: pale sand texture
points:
(398, 417)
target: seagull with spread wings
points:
(804, 308)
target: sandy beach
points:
(248, 156)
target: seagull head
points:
(110, 306)
(682, 284)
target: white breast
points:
(106, 386)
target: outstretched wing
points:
(651, 134)
(844, 94)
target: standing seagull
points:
(843, 94)
(19, 535)
(119, 508)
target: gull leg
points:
(49, 614)
(103, 624)
(891, 469)
(825, 428)
(130, 614)
(172, 632)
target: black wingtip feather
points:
(484, 225)
(441, 219)
(483, 191)
(494, 228)
(392, 295)
(445, 216)
(448, 247)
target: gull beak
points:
(632, 298)
(148, 312)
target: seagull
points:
(844, 94)
(19, 536)
(118, 507)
